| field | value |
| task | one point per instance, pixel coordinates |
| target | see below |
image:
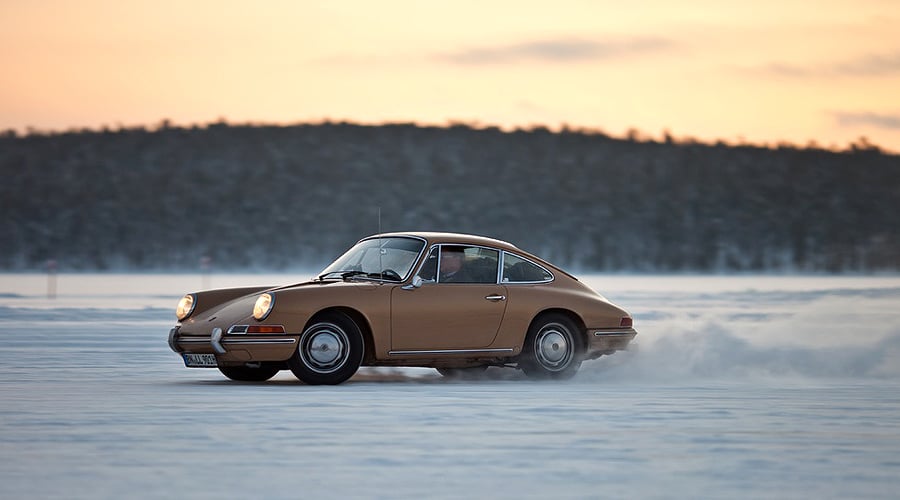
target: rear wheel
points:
(250, 373)
(330, 350)
(553, 348)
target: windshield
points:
(388, 258)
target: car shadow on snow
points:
(380, 375)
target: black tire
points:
(329, 352)
(245, 373)
(553, 348)
(470, 373)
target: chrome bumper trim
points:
(219, 343)
(253, 341)
(173, 339)
(630, 332)
(216, 340)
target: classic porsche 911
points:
(454, 302)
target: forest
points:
(265, 197)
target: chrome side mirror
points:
(417, 282)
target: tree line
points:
(259, 197)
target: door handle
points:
(495, 298)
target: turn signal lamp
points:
(265, 329)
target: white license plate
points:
(200, 360)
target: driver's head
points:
(451, 259)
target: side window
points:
(519, 270)
(464, 264)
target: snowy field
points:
(740, 387)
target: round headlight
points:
(185, 306)
(263, 306)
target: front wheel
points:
(330, 351)
(553, 348)
(250, 373)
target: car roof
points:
(439, 237)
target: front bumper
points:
(234, 347)
(608, 341)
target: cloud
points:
(563, 50)
(877, 120)
(868, 65)
(871, 65)
(787, 70)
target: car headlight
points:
(185, 306)
(263, 306)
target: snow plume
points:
(716, 352)
(831, 337)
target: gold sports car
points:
(454, 302)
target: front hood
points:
(236, 311)
(232, 310)
(224, 308)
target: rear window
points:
(519, 270)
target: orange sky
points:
(762, 71)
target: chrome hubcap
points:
(553, 347)
(323, 347)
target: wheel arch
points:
(357, 317)
(572, 315)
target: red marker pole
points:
(51, 279)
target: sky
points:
(762, 71)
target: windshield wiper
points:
(344, 274)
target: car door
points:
(449, 315)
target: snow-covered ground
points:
(741, 387)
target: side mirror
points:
(417, 282)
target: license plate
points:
(200, 360)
